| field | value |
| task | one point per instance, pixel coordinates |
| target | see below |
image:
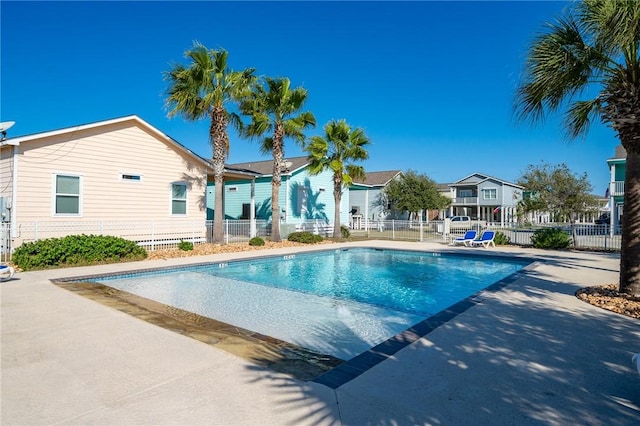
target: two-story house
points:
(617, 168)
(485, 198)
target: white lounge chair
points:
(6, 272)
(466, 240)
(485, 239)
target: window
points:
(465, 193)
(490, 194)
(178, 198)
(130, 177)
(67, 195)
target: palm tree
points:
(204, 89)
(275, 111)
(335, 151)
(594, 49)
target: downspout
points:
(14, 192)
(252, 209)
(285, 181)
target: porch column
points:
(252, 209)
(366, 210)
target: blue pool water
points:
(340, 302)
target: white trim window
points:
(178, 198)
(490, 194)
(67, 194)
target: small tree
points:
(554, 188)
(412, 192)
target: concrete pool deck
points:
(530, 353)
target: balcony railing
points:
(617, 188)
(465, 201)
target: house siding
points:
(319, 204)
(6, 173)
(359, 197)
(99, 156)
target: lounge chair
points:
(469, 236)
(6, 272)
(485, 239)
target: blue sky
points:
(431, 83)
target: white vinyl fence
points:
(587, 236)
(152, 235)
(157, 235)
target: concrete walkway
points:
(529, 354)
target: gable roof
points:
(377, 178)
(481, 177)
(620, 153)
(137, 121)
(265, 168)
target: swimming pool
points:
(337, 302)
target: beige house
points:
(120, 177)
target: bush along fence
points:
(156, 235)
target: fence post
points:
(421, 231)
(153, 235)
(393, 229)
(35, 231)
(226, 231)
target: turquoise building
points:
(303, 199)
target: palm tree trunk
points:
(276, 181)
(337, 197)
(220, 141)
(630, 250)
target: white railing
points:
(617, 188)
(152, 235)
(315, 226)
(465, 200)
(156, 235)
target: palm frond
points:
(579, 116)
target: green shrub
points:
(346, 233)
(551, 238)
(185, 245)
(305, 237)
(500, 239)
(76, 250)
(256, 241)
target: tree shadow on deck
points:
(529, 353)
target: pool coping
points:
(350, 369)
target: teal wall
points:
(301, 197)
(620, 172)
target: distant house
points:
(303, 198)
(485, 198)
(615, 193)
(95, 174)
(367, 200)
